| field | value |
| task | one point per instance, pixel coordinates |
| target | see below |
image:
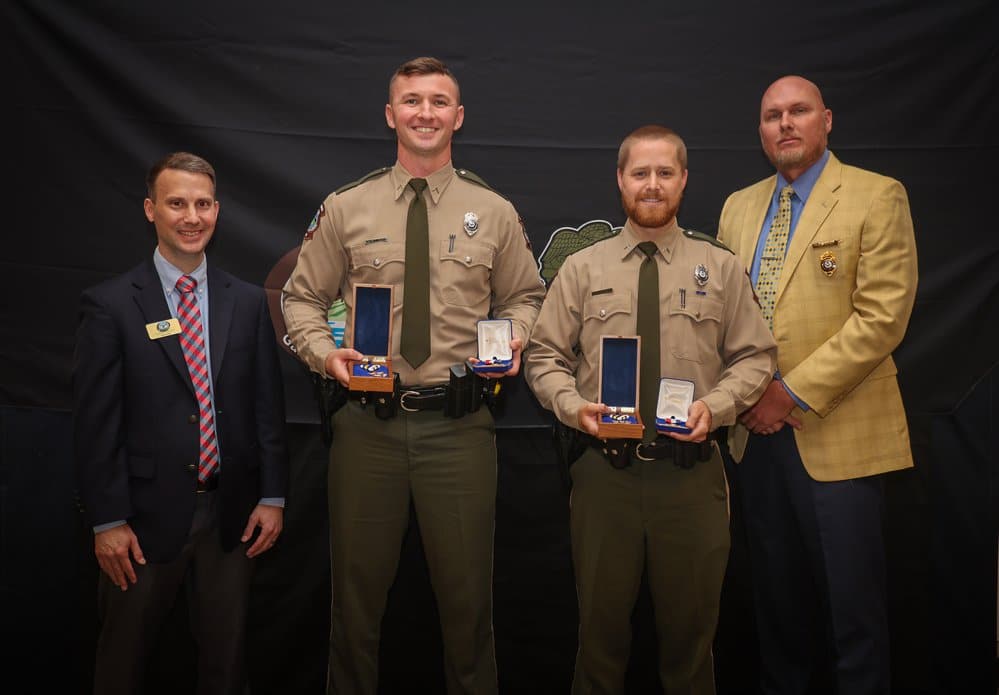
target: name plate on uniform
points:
(371, 322)
(675, 397)
(619, 387)
(495, 353)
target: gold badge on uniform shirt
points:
(471, 223)
(827, 262)
(162, 329)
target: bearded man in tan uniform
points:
(651, 512)
(481, 266)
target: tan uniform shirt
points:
(713, 335)
(360, 237)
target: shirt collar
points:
(169, 273)
(804, 184)
(437, 182)
(665, 242)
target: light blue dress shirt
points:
(802, 186)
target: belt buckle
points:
(402, 401)
(638, 452)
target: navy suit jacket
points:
(136, 424)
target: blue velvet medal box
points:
(495, 353)
(619, 387)
(675, 397)
(371, 323)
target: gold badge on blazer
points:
(827, 262)
(162, 329)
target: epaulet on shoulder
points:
(474, 178)
(367, 177)
(700, 236)
(467, 175)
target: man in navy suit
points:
(179, 439)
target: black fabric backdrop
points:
(287, 103)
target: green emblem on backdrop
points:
(565, 241)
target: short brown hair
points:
(424, 65)
(184, 161)
(652, 132)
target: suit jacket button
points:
(192, 467)
(192, 419)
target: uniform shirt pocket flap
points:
(468, 253)
(377, 255)
(603, 306)
(695, 307)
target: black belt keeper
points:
(385, 403)
(619, 452)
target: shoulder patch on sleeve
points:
(367, 177)
(314, 224)
(700, 236)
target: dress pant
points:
(217, 587)
(673, 521)
(448, 468)
(817, 556)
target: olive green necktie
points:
(648, 329)
(415, 341)
(772, 259)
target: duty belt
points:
(620, 452)
(414, 399)
(464, 393)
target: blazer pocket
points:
(141, 467)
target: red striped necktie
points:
(192, 342)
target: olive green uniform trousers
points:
(448, 468)
(673, 521)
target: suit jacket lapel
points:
(153, 305)
(221, 304)
(821, 202)
(756, 213)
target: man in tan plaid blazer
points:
(811, 449)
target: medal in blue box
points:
(675, 397)
(371, 323)
(619, 387)
(495, 353)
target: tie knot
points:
(649, 248)
(418, 185)
(185, 284)
(786, 192)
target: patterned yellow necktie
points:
(772, 259)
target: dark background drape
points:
(286, 101)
